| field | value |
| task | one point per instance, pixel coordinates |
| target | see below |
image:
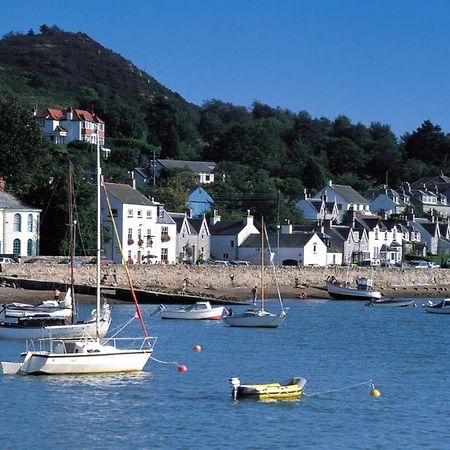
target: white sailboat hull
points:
(70, 331)
(42, 363)
(194, 312)
(255, 319)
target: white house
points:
(193, 238)
(204, 170)
(345, 197)
(300, 249)
(145, 228)
(62, 127)
(19, 225)
(387, 201)
(227, 237)
(318, 208)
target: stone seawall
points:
(172, 277)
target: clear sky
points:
(371, 60)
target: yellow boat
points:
(292, 389)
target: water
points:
(332, 344)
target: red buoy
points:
(182, 368)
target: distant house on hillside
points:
(204, 170)
(62, 127)
(344, 196)
(384, 200)
(318, 208)
(19, 225)
(199, 202)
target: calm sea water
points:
(332, 344)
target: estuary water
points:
(335, 345)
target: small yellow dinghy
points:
(292, 389)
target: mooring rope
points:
(315, 394)
(164, 362)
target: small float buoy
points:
(197, 348)
(374, 392)
(182, 368)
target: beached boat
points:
(197, 311)
(258, 317)
(48, 308)
(89, 355)
(396, 302)
(441, 307)
(291, 389)
(362, 290)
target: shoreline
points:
(289, 293)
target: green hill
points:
(59, 69)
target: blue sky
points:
(386, 61)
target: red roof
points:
(78, 114)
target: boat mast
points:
(72, 235)
(99, 179)
(262, 263)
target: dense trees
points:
(267, 155)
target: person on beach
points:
(255, 294)
(56, 294)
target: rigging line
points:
(314, 394)
(273, 269)
(124, 264)
(118, 329)
(49, 201)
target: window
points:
(164, 255)
(376, 233)
(130, 213)
(29, 247)
(231, 244)
(164, 231)
(16, 246)
(314, 247)
(114, 212)
(149, 213)
(139, 213)
(30, 223)
(17, 222)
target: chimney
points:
(330, 183)
(214, 218)
(190, 213)
(249, 218)
(69, 114)
(286, 228)
(131, 180)
(305, 194)
(2, 184)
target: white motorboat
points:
(440, 307)
(396, 302)
(48, 308)
(38, 327)
(197, 311)
(258, 318)
(89, 355)
(363, 289)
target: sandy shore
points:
(8, 294)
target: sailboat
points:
(89, 355)
(258, 317)
(51, 319)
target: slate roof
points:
(8, 201)
(295, 240)
(194, 166)
(227, 228)
(127, 195)
(349, 194)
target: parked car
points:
(6, 260)
(40, 261)
(239, 263)
(419, 264)
(433, 265)
(103, 261)
(76, 261)
(370, 263)
(218, 263)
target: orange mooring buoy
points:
(197, 348)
